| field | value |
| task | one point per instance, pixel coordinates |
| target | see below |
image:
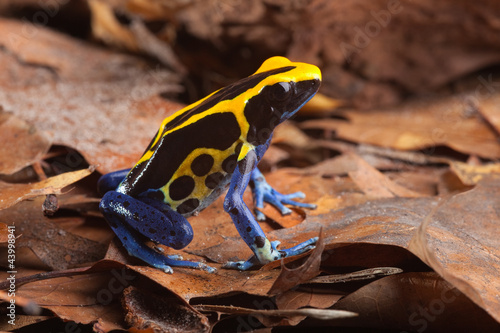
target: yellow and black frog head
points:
(281, 88)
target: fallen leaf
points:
(290, 278)
(321, 104)
(4, 233)
(145, 310)
(375, 184)
(14, 193)
(13, 156)
(416, 125)
(460, 235)
(277, 315)
(414, 302)
(473, 174)
(64, 85)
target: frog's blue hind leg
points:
(263, 192)
(264, 250)
(110, 181)
(134, 222)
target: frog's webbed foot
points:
(263, 192)
(272, 255)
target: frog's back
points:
(194, 153)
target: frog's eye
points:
(279, 92)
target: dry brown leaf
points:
(321, 105)
(66, 86)
(145, 310)
(417, 125)
(4, 232)
(13, 193)
(473, 174)
(106, 27)
(290, 278)
(415, 302)
(13, 156)
(488, 107)
(274, 317)
(375, 184)
(84, 299)
(53, 245)
(460, 241)
(463, 234)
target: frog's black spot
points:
(156, 195)
(172, 233)
(276, 258)
(181, 187)
(126, 204)
(152, 231)
(188, 206)
(249, 229)
(213, 180)
(125, 238)
(135, 216)
(162, 237)
(229, 164)
(234, 211)
(260, 242)
(119, 196)
(202, 164)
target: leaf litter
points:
(409, 228)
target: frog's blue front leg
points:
(135, 221)
(264, 250)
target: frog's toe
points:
(174, 257)
(241, 265)
(207, 268)
(167, 269)
(300, 248)
(295, 195)
(259, 215)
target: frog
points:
(208, 148)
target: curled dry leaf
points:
(14, 193)
(460, 241)
(290, 278)
(15, 156)
(462, 236)
(66, 86)
(375, 184)
(145, 310)
(4, 232)
(417, 125)
(414, 302)
(89, 298)
(277, 315)
(53, 245)
(473, 174)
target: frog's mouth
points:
(304, 91)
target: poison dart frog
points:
(200, 151)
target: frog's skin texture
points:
(199, 152)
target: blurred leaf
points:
(145, 310)
(79, 94)
(13, 156)
(414, 302)
(13, 193)
(417, 125)
(290, 278)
